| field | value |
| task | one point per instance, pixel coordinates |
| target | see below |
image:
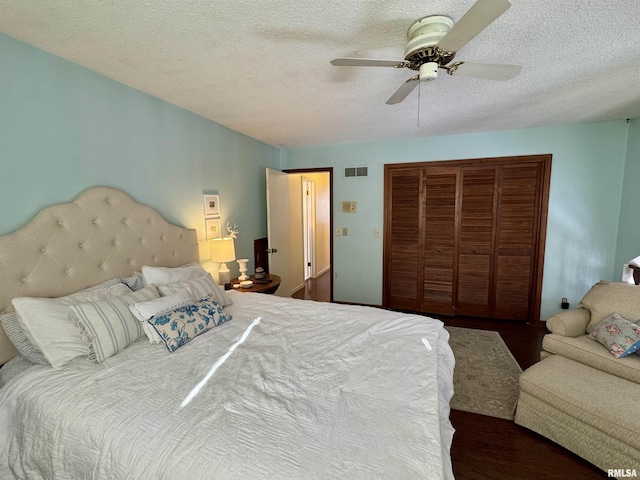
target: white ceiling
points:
(261, 67)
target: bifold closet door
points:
(476, 240)
(403, 225)
(466, 237)
(517, 233)
(439, 240)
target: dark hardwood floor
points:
(317, 289)
(487, 448)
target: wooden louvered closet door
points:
(466, 237)
(439, 240)
(403, 256)
(518, 209)
(476, 241)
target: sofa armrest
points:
(571, 323)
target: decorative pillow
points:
(618, 334)
(108, 325)
(46, 326)
(185, 323)
(145, 310)
(16, 334)
(200, 288)
(607, 297)
(166, 275)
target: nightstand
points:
(272, 284)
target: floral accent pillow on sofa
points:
(185, 323)
(619, 335)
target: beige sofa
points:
(579, 395)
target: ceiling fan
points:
(433, 42)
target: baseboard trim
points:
(358, 304)
(297, 289)
(323, 271)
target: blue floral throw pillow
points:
(183, 324)
(618, 334)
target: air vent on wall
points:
(356, 171)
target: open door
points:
(278, 229)
(308, 227)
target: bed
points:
(280, 388)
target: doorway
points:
(317, 239)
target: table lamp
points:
(223, 251)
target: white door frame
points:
(328, 170)
(309, 222)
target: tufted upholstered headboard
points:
(102, 234)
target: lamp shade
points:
(222, 250)
(631, 271)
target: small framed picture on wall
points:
(212, 228)
(211, 205)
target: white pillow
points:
(166, 275)
(200, 288)
(143, 311)
(108, 325)
(18, 337)
(45, 323)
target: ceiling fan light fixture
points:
(423, 36)
(428, 71)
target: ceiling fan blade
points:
(477, 18)
(405, 89)
(486, 71)
(366, 62)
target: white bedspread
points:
(316, 391)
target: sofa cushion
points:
(604, 298)
(587, 394)
(584, 350)
(618, 334)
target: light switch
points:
(378, 233)
(345, 231)
(338, 232)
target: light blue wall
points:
(64, 129)
(629, 230)
(586, 187)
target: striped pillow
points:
(16, 333)
(109, 326)
(199, 288)
(134, 282)
(47, 327)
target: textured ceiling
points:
(261, 67)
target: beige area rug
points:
(485, 379)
